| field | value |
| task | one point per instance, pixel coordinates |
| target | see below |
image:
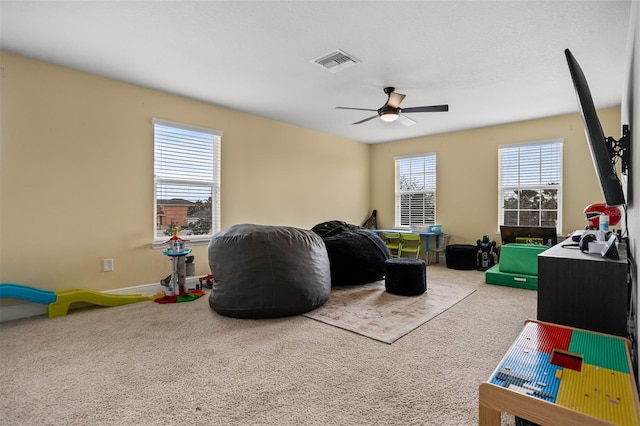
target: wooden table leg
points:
(488, 416)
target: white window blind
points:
(187, 180)
(530, 184)
(415, 190)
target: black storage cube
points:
(405, 276)
(524, 422)
(461, 256)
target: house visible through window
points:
(187, 180)
(415, 190)
(530, 184)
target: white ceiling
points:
(492, 62)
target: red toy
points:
(594, 211)
(208, 281)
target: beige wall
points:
(74, 145)
(467, 173)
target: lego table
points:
(558, 375)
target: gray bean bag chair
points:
(267, 271)
(356, 255)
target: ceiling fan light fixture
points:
(388, 113)
(391, 110)
(389, 116)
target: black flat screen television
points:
(598, 144)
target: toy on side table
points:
(487, 253)
(600, 212)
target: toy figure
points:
(487, 254)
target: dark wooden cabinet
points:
(583, 290)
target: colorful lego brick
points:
(566, 359)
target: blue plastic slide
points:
(30, 294)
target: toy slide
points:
(66, 298)
(30, 294)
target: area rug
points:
(370, 311)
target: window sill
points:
(192, 242)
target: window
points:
(187, 181)
(530, 184)
(416, 190)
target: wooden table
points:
(559, 375)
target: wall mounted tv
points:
(604, 150)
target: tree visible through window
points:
(530, 184)
(416, 190)
(187, 180)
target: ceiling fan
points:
(391, 110)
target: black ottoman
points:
(405, 277)
(462, 256)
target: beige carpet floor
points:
(183, 364)
(370, 311)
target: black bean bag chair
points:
(267, 271)
(356, 254)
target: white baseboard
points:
(29, 309)
(24, 310)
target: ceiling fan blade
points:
(405, 120)
(395, 99)
(432, 108)
(366, 119)
(357, 109)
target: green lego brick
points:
(610, 353)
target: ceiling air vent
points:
(336, 61)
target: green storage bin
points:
(520, 259)
(496, 277)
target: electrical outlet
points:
(107, 265)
